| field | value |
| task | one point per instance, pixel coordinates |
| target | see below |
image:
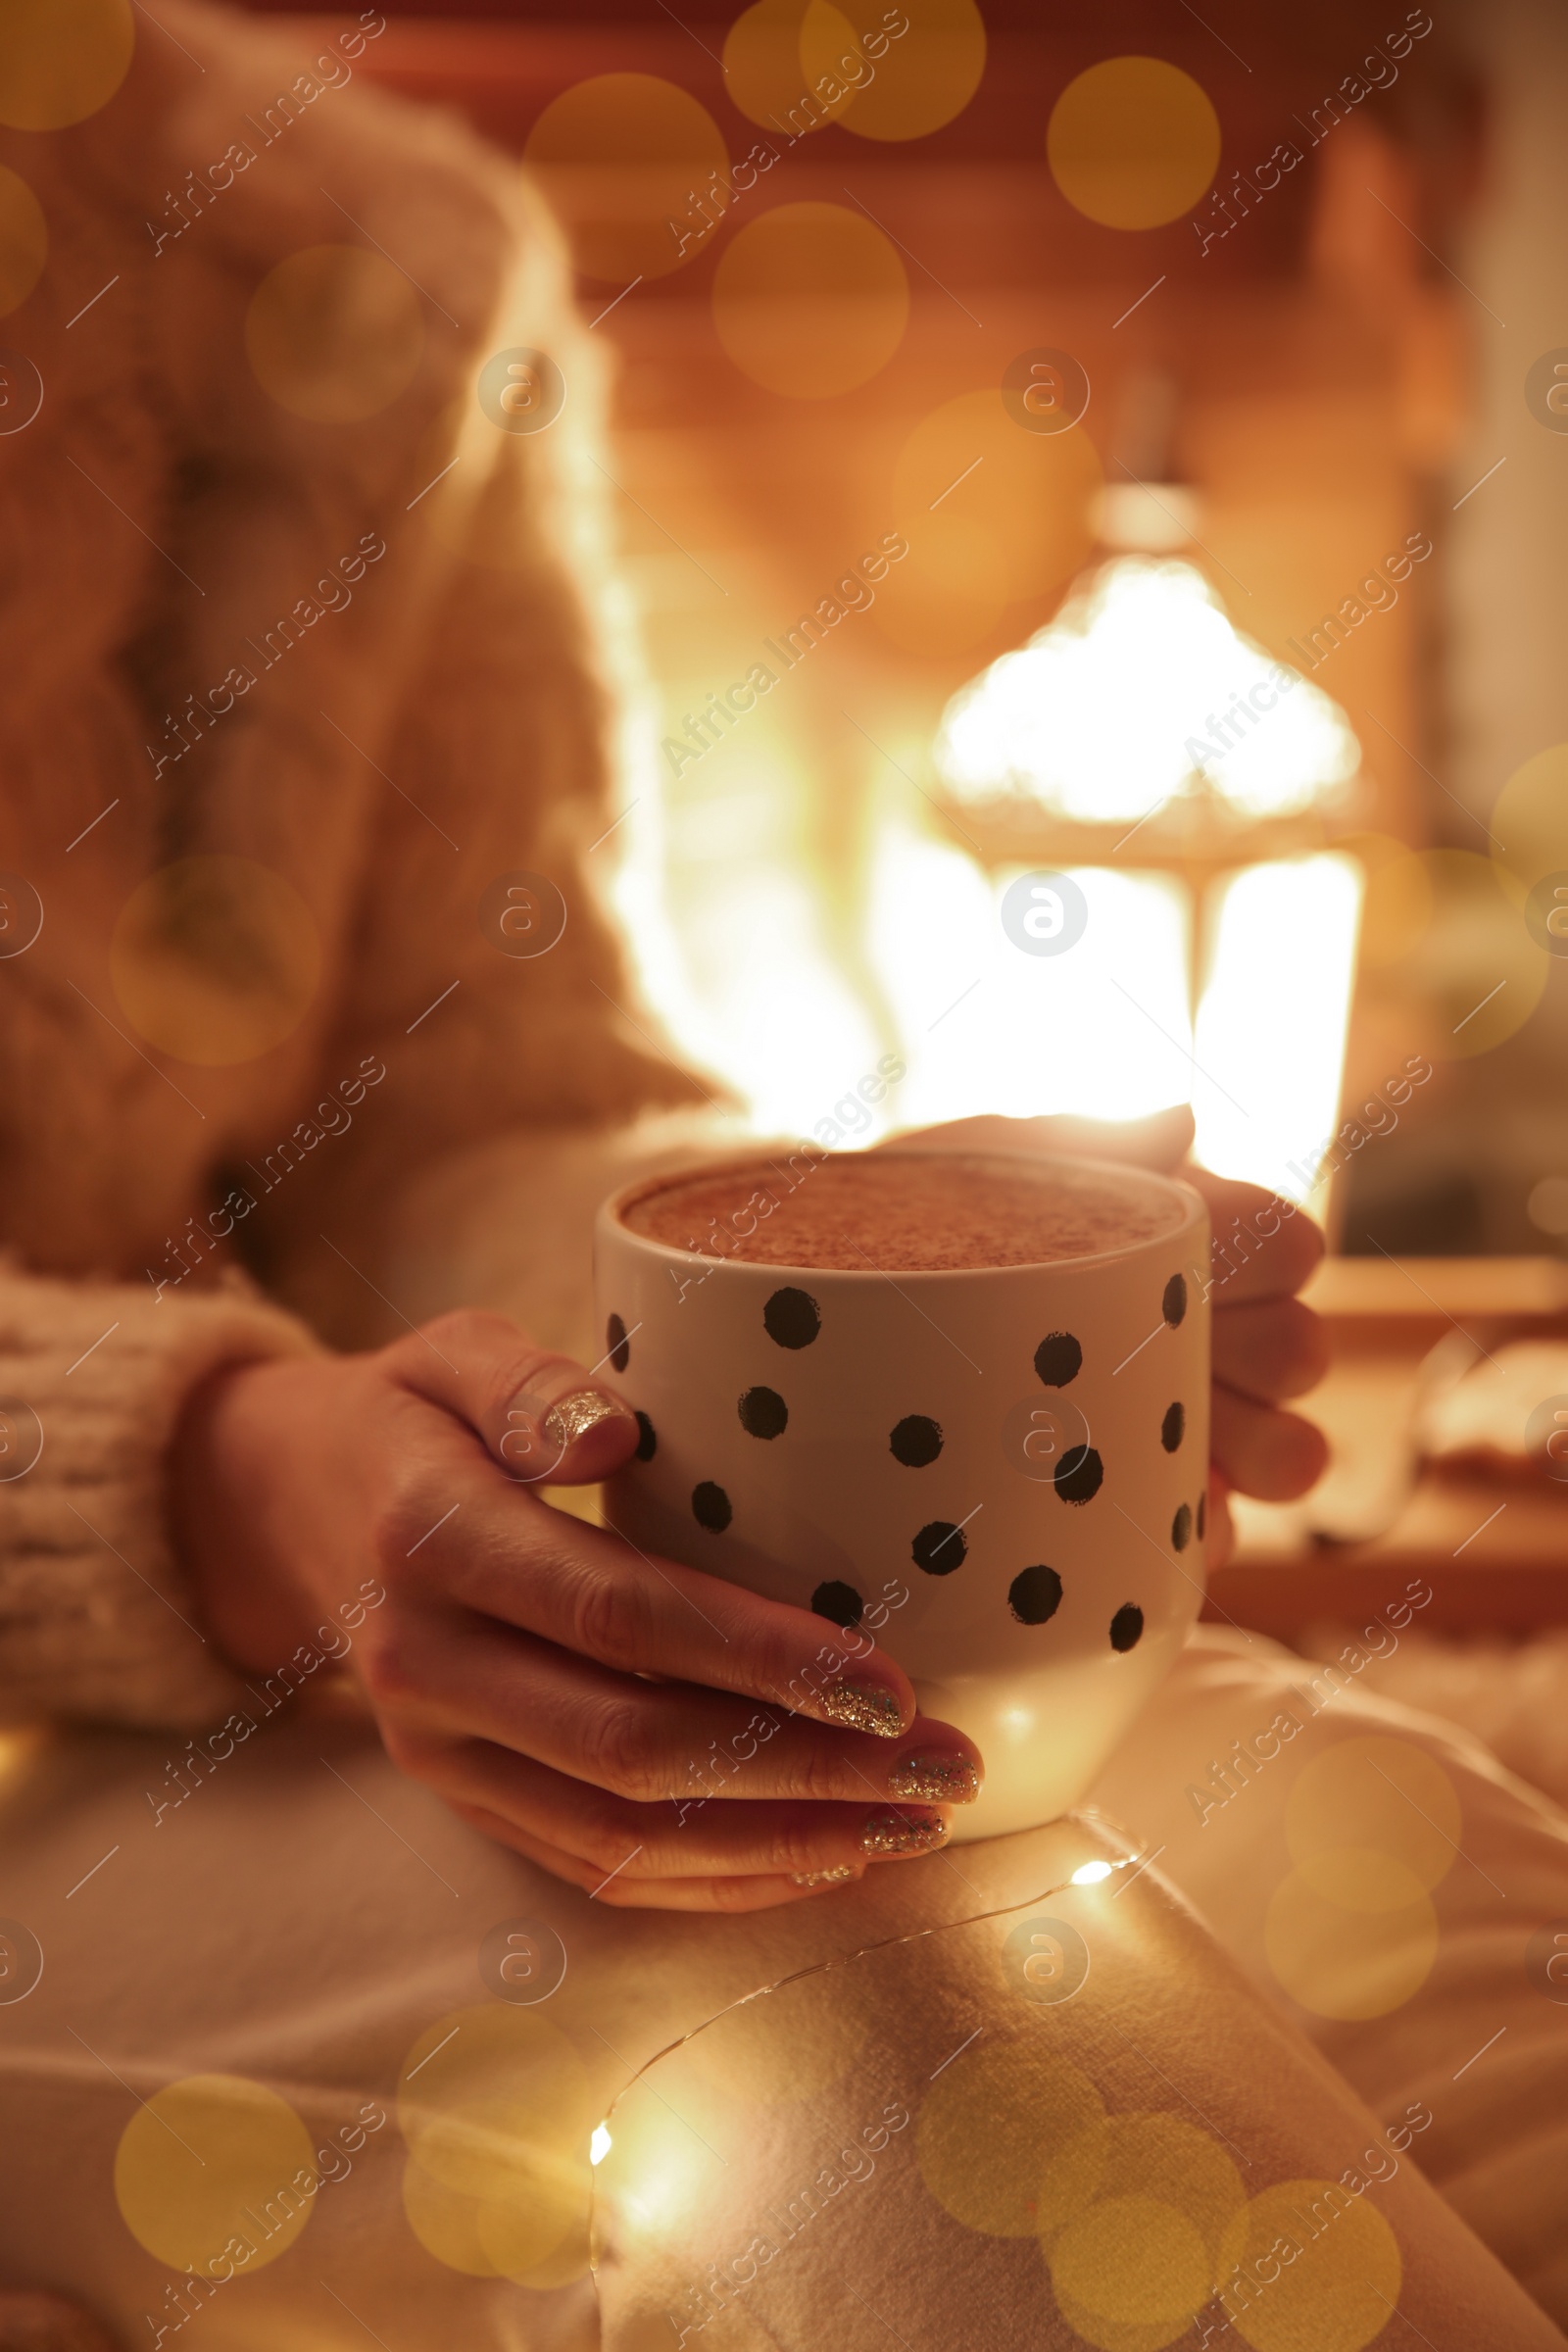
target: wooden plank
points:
(1410, 1291)
(1495, 1551)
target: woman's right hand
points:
(647, 1732)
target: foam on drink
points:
(900, 1212)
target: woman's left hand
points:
(1267, 1345)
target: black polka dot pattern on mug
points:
(1127, 1626)
(764, 1413)
(1180, 1527)
(839, 1603)
(711, 1506)
(1035, 1594)
(1058, 1359)
(1080, 1474)
(1173, 1428)
(617, 1341)
(792, 1318)
(915, 1440)
(647, 1438)
(1173, 1299)
(939, 1548)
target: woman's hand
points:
(1267, 1345)
(647, 1732)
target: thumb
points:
(541, 1416)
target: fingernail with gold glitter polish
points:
(862, 1707)
(902, 1833)
(949, 1779)
(574, 1415)
(826, 1878)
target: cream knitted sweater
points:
(442, 1116)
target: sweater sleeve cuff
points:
(95, 1616)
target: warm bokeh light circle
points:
(1132, 142)
(1337, 2292)
(982, 503)
(1130, 2263)
(1385, 1796)
(775, 53)
(495, 2106)
(1373, 1826)
(24, 240)
(445, 2222)
(1398, 903)
(619, 158)
(542, 2238)
(454, 2101)
(333, 334)
(1132, 2214)
(1337, 1956)
(211, 2160)
(1147, 2153)
(925, 76)
(920, 613)
(810, 300)
(1530, 821)
(991, 2125)
(991, 515)
(214, 960)
(62, 60)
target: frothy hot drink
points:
(900, 1212)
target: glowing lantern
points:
(1146, 792)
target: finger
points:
(755, 1893)
(1220, 1541)
(1271, 1454)
(541, 1416)
(1159, 1142)
(664, 1741)
(1270, 1348)
(696, 1839)
(512, 1557)
(1263, 1247)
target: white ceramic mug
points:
(999, 1471)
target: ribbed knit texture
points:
(93, 1611)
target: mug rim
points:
(1194, 1212)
